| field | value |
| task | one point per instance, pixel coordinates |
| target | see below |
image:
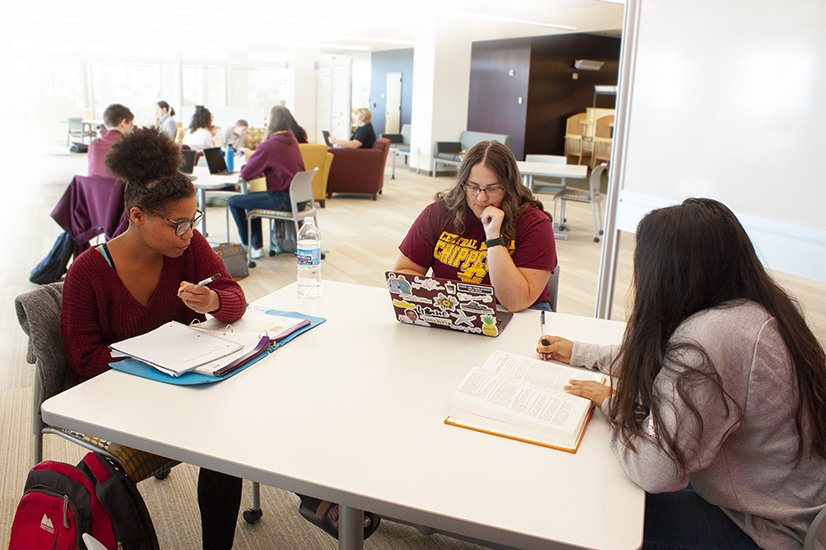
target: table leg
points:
(202, 208)
(393, 171)
(527, 181)
(350, 528)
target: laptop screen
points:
(326, 135)
(189, 161)
(215, 160)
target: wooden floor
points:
(360, 237)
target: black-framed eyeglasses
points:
(181, 227)
(472, 188)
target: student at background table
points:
(118, 121)
(278, 159)
(364, 137)
(144, 278)
(234, 136)
(488, 228)
(200, 135)
(166, 120)
(719, 400)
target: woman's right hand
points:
(555, 348)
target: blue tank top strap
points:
(106, 256)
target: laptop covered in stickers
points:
(444, 303)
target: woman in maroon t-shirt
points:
(489, 229)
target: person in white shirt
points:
(199, 136)
(166, 120)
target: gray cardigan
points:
(743, 464)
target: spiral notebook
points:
(176, 348)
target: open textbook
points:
(212, 348)
(522, 398)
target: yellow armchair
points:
(316, 155)
(254, 137)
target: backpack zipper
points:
(65, 510)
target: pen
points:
(542, 336)
(209, 279)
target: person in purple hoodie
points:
(277, 158)
(118, 121)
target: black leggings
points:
(219, 498)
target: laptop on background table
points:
(188, 167)
(215, 161)
(444, 303)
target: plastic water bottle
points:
(230, 159)
(308, 253)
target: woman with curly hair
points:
(489, 229)
(719, 394)
(142, 279)
(200, 134)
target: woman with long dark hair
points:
(488, 228)
(718, 405)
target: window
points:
(257, 87)
(133, 85)
(204, 85)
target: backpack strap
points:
(104, 251)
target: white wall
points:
(728, 101)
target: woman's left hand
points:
(589, 389)
(198, 298)
(492, 219)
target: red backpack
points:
(61, 502)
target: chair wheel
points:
(596, 239)
(251, 264)
(163, 474)
(600, 232)
(252, 515)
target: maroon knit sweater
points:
(98, 310)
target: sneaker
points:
(257, 253)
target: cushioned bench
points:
(449, 152)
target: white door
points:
(393, 104)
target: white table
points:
(353, 412)
(550, 170)
(207, 182)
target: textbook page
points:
(523, 398)
(254, 324)
(176, 348)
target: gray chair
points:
(553, 287)
(78, 129)
(301, 191)
(816, 535)
(38, 313)
(590, 196)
